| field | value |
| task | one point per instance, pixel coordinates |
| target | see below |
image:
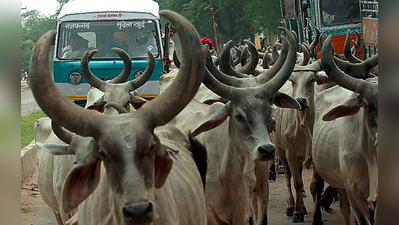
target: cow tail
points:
(329, 196)
(200, 156)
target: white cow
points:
(236, 136)
(52, 169)
(135, 163)
(345, 142)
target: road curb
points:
(28, 161)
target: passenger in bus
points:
(72, 48)
(77, 46)
(111, 42)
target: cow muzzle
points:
(303, 102)
(267, 152)
(139, 213)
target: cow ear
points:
(322, 78)
(212, 101)
(213, 120)
(283, 100)
(348, 108)
(81, 181)
(163, 164)
(97, 105)
(137, 101)
(56, 149)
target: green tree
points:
(235, 19)
(34, 25)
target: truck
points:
(331, 17)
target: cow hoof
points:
(280, 170)
(304, 194)
(289, 212)
(305, 211)
(317, 222)
(298, 218)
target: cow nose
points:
(267, 151)
(303, 102)
(139, 212)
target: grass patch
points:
(27, 127)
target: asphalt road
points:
(28, 102)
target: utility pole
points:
(214, 31)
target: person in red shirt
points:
(206, 40)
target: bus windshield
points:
(336, 12)
(134, 36)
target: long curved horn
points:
(357, 43)
(100, 84)
(321, 40)
(212, 83)
(127, 68)
(315, 41)
(116, 106)
(65, 113)
(275, 54)
(219, 75)
(244, 56)
(347, 49)
(355, 48)
(237, 60)
(265, 61)
(358, 70)
(249, 68)
(333, 72)
(225, 59)
(86, 72)
(284, 73)
(306, 56)
(167, 105)
(176, 59)
(140, 81)
(249, 81)
(61, 133)
(270, 73)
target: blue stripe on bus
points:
(102, 69)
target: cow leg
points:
(344, 205)
(262, 191)
(295, 164)
(360, 208)
(303, 190)
(287, 172)
(58, 218)
(272, 172)
(316, 189)
(372, 213)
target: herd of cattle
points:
(201, 151)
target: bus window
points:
(335, 12)
(134, 36)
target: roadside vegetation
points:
(27, 125)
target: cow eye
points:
(239, 118)
(312, 81)
(272, 125)
(152, 149)
(102, 155)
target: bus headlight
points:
(138, 73)
(75, 78)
